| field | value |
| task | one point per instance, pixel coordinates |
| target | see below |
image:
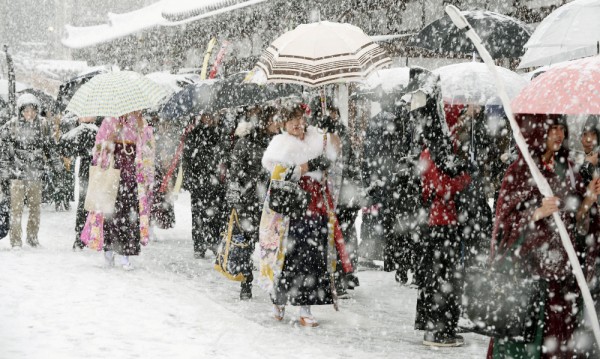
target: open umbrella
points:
(235, 92)
(503, 35)
(192, 100)
(322, 53)
(115, 94)
(572, 88)
(68, 89)
(570, 32)
(4, 88)
(473, 83)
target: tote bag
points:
(102, 189)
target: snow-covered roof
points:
(161, 13)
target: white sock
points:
(305, 311)
(125, 260)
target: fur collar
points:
(289, 151)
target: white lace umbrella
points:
(322, 53)
(115, 94)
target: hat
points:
(592, 124)
(28, 99)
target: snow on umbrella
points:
(235, 92)
(192, 100)
(322, 53)
(570, 32)
(473, 83)
(503, 35)
(115, 94)
(388, 79)
(4, 88)
(572, 88)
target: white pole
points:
(461, 22)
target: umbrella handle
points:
(461, 22)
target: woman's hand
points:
(549, 206)
(593, 158)
(593, 189)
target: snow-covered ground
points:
(56, 303)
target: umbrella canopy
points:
(503, 35)
(322, 53)
(68, 89)
(193, 99)
(19, 86)
(235, 92)
(473, 83)
(572, 88)
(570, 32)
(115, 94)
(171, 82)
(388, 79)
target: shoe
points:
(433, 340)
(352, 281)
(341, 292)
(109, 258)
(308, 321)
(199, 254)
(278, 312)
(126, 264)
(78, 245)
(246, 291)
(33, 242)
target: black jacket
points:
(27, 148)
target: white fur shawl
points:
(289, 150)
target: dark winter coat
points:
(28, 147)
(248, 179)
(79, 142)
(205, 151)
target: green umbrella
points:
(115, 94)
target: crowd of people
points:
(424, 190)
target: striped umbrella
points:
(115, 94)
(322, 53)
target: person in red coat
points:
(522, 212)
(440, 289)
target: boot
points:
(126, 263)
(246, 291)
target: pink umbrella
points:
(572, 88)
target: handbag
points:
(234, 252)
(102, 188)
(288, 198)
(503, 304)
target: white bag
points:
(102, 189)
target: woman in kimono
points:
(305, 153)
(130, 142)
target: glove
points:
(233, 194)
(320, 163)
(328, 124)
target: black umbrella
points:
(502, 35)
(191, 100)
(48, 102)
(68, 89)
(234, 93)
